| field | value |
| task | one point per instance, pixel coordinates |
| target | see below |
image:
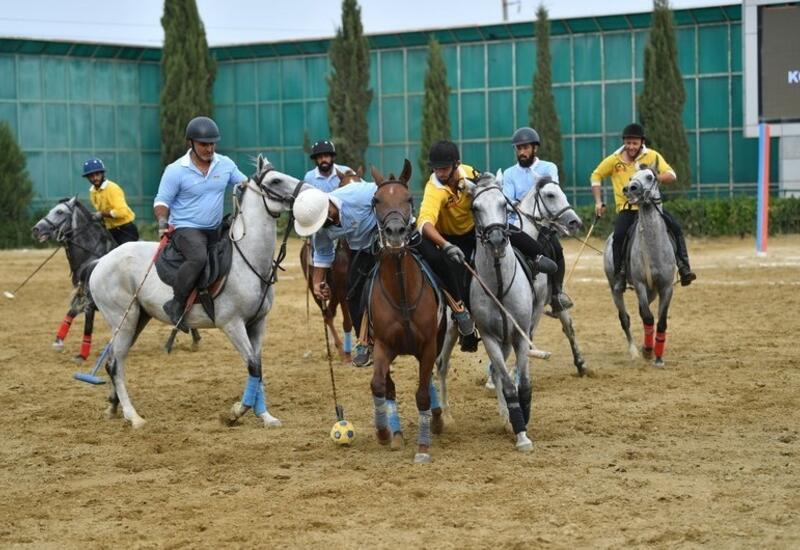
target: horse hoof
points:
(79, 359)
(111, 412)
(58, 345)
(422, 458)
(634, 353)
(524, 445)
(383, 436)
(489, 385)
(659, 363)
(647, 353)
(270, 421)
(398, 442)
(137, 422)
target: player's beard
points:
(524, 161)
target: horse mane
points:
(486, 179)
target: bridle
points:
(649, 195)
(549, 218)
(406, 219)
(483, 233)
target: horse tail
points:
(83, 273)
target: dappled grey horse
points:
(69, 223)
(545, 208)
(498, 267)
(650, 265)
(241, 308)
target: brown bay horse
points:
(404, 314)
(336, 279)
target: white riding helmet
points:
(310, 211)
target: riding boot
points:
(543, 264)
(682, 259)
(174, 309)
(363, 355)
(466, 329)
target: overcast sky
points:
(137, 22)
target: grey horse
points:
(545, 207)
(498, 267)
(124, 276)
(650, 266)
(85, 240)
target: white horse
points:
(545, 208)
(650, 266)
(240, 309)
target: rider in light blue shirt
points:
(517, 181)
(345, 213)
(356, 225)
(324, 176)
(190, 198)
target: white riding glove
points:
(453, 253)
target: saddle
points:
(213, 277)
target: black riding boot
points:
(682, 258)
(175, 308)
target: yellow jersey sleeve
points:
(433, 200)
(604, 170)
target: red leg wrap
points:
(64, 328)
(649, 331)
(86, 345)
(661, 341)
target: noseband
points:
(267, 192)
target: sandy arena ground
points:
(700, 454)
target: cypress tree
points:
(16, 191)
(187, 75)
(435, 106)
(349, 95)
(542, 113)
(661, 103)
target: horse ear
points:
(340, 174)
(469, 187)
(405, 175)
(376, 175)
(360, 172)
(259, 163)
(499, 176)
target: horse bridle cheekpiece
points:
(407, 220)
(550, 216)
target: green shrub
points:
(715, 217)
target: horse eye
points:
(275, 181)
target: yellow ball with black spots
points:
(343, 433)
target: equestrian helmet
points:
(633, 131)
(202, 129)
(524, 135)
(442, 154)
(324, 147)
(93, 166)
(310, 211)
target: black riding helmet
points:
(322, 148)
(203, 130)
(442, 154)
(633, 131)
(524, 135)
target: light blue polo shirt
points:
(517, 181)
(325, 183)
(357, 223)
(195, 200)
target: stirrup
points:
(362, 357)
(466, 326)
(175, 312)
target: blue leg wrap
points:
(394, 417)
(260, 405)
(251, 390)
(424, 437)
(380, 412)
(347, 344)
(435, 404)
